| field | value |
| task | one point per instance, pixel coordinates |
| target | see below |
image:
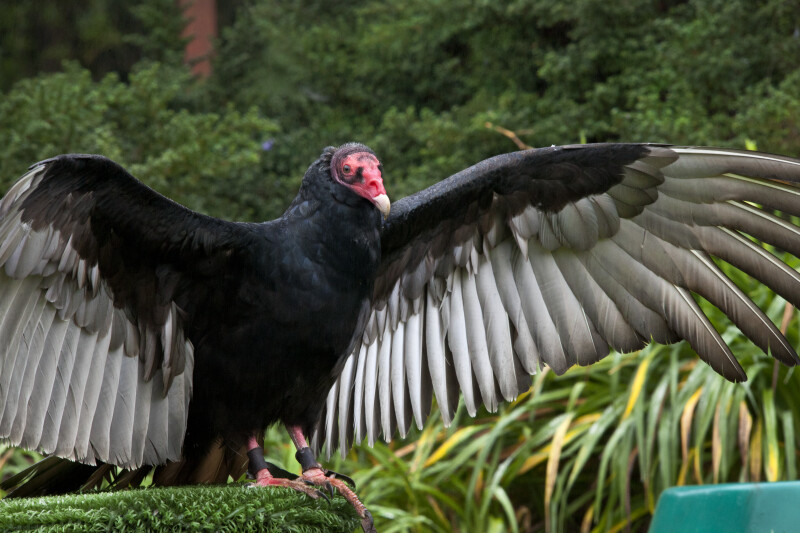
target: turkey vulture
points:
(138, 333)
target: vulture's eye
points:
(347, 169)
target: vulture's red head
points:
(355, 166)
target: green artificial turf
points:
(230, 508)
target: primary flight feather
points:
(136, 332)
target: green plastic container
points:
(729, 508)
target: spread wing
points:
(95, 363)
(554, 256)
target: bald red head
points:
(356, 167)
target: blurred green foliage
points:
(195, 157)
(104, 35)
(426, 84)
(418, 82)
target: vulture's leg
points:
(314, 474)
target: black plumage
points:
(138, 332)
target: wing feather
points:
(60, 389)
(91, 395)
(359, 393)
(387, 418)
(597, 304)
(733, 248)
(498, 333)
(332, 433)
(346, 384)
(100, 436)
(459, 346)
(12, 298)
(140, 420)
(400, 400)
(441, 370)
(646, 322)
(64, 436)
(155, 436)
(419, 382)
(578, 335)
(11, 237)
(25, 371)
(39, 419)
(174, 404)
(371, 413)
(477, 344)
(548, 343)
(698, 273)
(524, 347)
(30, 339)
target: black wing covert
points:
(96, 364)
(554, 256)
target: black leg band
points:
(306, 459)
(257, 462)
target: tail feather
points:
(215, 466)
(52, 475)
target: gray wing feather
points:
(502, 267)
(397, 372)
(441, 372)
(498, 333)
(345, 398)
(371, 412)
(646, 322)
(419, 383)
(477, 344)
(387, 418)
(459, 345)
(66, 390)
(598, 306)
(545, 335)
(359, 390)
(91, 395)
(578, 335)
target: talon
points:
(279, 472)
(327, 498)
(330, 489)
(367, 523)
(337, 475)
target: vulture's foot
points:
(310, 484)
(318, 477)
(265, 479)
(313, 479)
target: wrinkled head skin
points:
(355, 166)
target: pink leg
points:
(296, 434)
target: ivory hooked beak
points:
(382, 202)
